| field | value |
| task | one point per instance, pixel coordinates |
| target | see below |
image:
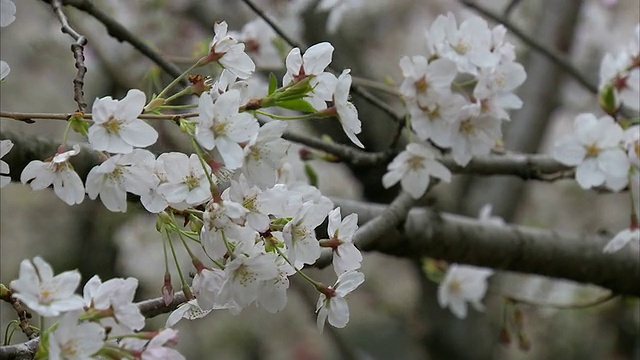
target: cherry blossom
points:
(245, 273)
(272, 293)
(120, 174)
(312, 64)
(299, 233)
(424, 80)
(44, 293)
(116, 295)
(264, 154)
(433, 121)
(221, 126)
(413, 168)
(67, 184)
(469, 45)
(207, 284)
(346, 256)
(75, 341)
(347, 112)
(331, 304)
(229, 53)
(186, 180)
(116, 127)
(156, 349)
(5, 147)
(594, 148)
(463, 284)
(473, 134)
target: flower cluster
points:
(457, 97)
(92, 324)
(255, 222)
(606, 150)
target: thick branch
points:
(516, 248)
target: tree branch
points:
(524, 249)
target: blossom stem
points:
(298, 271)
(66, 134)
(177, 80)
(183, 282)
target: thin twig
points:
(553, 55)
(510, 7)
(77, 48)
(119, 32)
(30, 117)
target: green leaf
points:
(273, 84)
(297, 105)
(79, 125)
(311, 174)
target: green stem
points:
(298, 271)
(200, 153)
(177, 80)
(66, 134)
(175, 259)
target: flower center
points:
(422, 85)
(592, 150)
(416, 162)
(467, 126)
(112, 125)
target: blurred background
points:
(394, 314)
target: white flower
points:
(468, 46)
(73, 341)
(4, 70)
(229, 53)
(332, 305)
(242, 193)
(121, 174)
(473, 134)
(347, 112)
(494, 90)
(463, 284)
(189, 310)
(312, 64)
(338, 8)
(346, 256)
(156, 349)
(5, 147)
(44, 293)
(433, 120)
(67, 184)
(221, 126)
(245, 273)
(423, 80)
(622, 238)
(595, 149)
(264, 153)
(299, 233)
(207, 285)
(115, 294)
(272, 293)
(186, 180)
(221, 225)
(619, 73)
(116, 127)
(412, 168)
(7, 12)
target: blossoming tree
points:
(234, 201)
